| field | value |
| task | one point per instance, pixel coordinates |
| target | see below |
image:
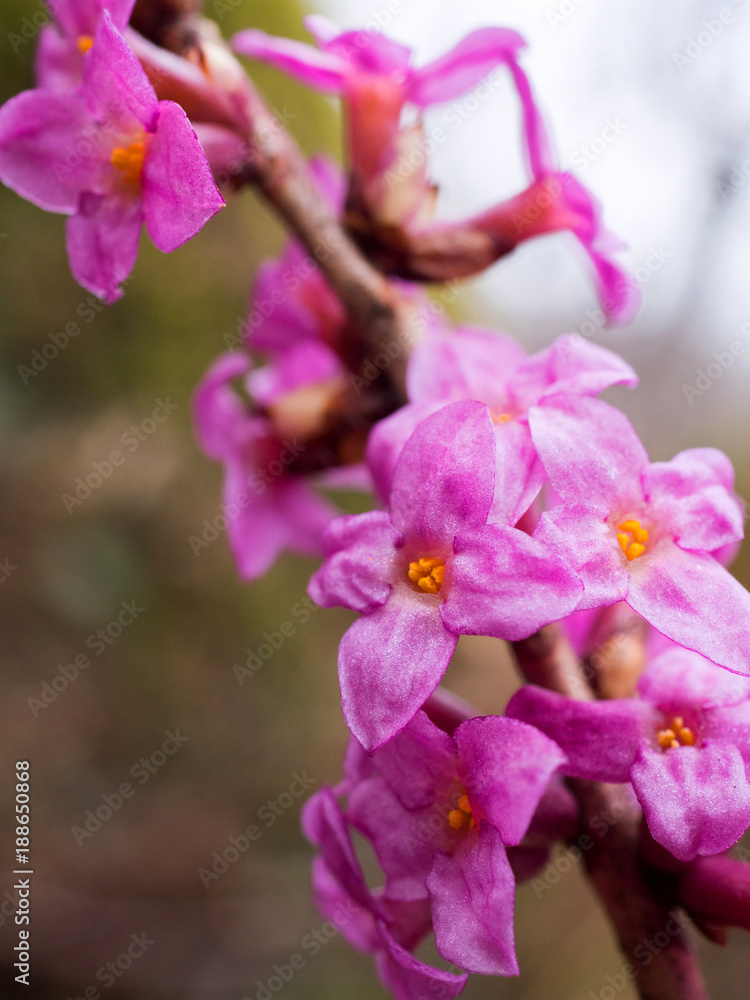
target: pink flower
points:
(292, 302)
(268, 507)
(440, 811)
(470, 363)
(684, 745)
(112, 157)
(644, 532)
(431, 569)
(63, 44)
(389, 929)
(391, 202)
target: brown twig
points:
(660, 957)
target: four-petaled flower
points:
(389, 929)
(440, 811)
(431, 569)
(645, 532)
(684, 745)
(112, 157)
(268, 508)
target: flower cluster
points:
(505, 495)
(511, 498)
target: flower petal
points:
(696, 800)
(58, 64)
(387, 440)
(406, 977)
(506, 584)
(588, 545)
(444, 479)
(333, 902)
(39, 130)
(423, 752)
(590, 451)
(473, 898)
(466, 65)
(694, 601)
(600, 738)
(102, 242)
(465, 363)
(116, 87)
(679, 677)
(324, 825)
(321, 70)
(179, 193)
(731, 724)
(693, 497)
(218, 411)
(505, 766)
(519, 473)
(286, 515)
(571, 364)
(359, 552)
(404, 841)
(390, 662)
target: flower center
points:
(427, 573)
(84, 43)
(632, 538)
(675, 735)
(501, 418)
(129, 160)
(462, 817)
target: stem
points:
(641, 914)
(382, 316)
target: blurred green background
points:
(172, 668)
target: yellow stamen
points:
(457, 818)
(129, 160)
(84, 43)
(676, 735)
(632, 538)
(461, 817)
(428, 573)
(501, 418)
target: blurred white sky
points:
(686, 127)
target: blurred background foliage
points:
(172, 669)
